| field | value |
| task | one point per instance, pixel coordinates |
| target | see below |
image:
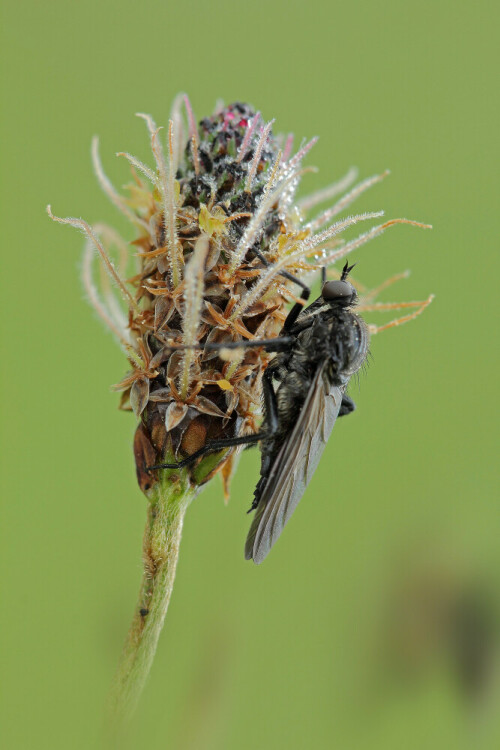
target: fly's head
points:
(340, 293)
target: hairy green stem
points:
(169, 501)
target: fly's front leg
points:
(277, 344)
(347, 405)
(297, 308)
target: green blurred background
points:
(347, 636)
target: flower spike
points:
(218, 248)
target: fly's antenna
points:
(346, 271)
(323, 275)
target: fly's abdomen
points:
(290, 398)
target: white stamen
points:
(193, 300)
(248, 136)
(141, 167)
(254, 228)
(193, 132)
(405, 318)
(121, 334)
(168, 195)
(345, 201)
(111, 237)
(305, 204)
(295, 161)
(372, 294)
(288, 147)
(108, 264)
(178, 130)
(252, 169)
(314, 240)
(370, 235)
(109, 188)
(300, 254)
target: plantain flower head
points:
(219, 237)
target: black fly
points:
(318, 350)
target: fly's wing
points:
(294, 466)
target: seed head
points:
(217, 224)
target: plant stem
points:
(169, 501)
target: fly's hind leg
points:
(272, 423)
(216, 445)
(212, 447)
(347, 405)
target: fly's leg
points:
(272, 423)
(217, 445)
(298, 306)
(270, 403)
(212, 447)
(277, 344)
(347, 406)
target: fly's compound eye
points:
(338, 291)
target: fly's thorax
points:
(303, 360)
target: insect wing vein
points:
(294, 466)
